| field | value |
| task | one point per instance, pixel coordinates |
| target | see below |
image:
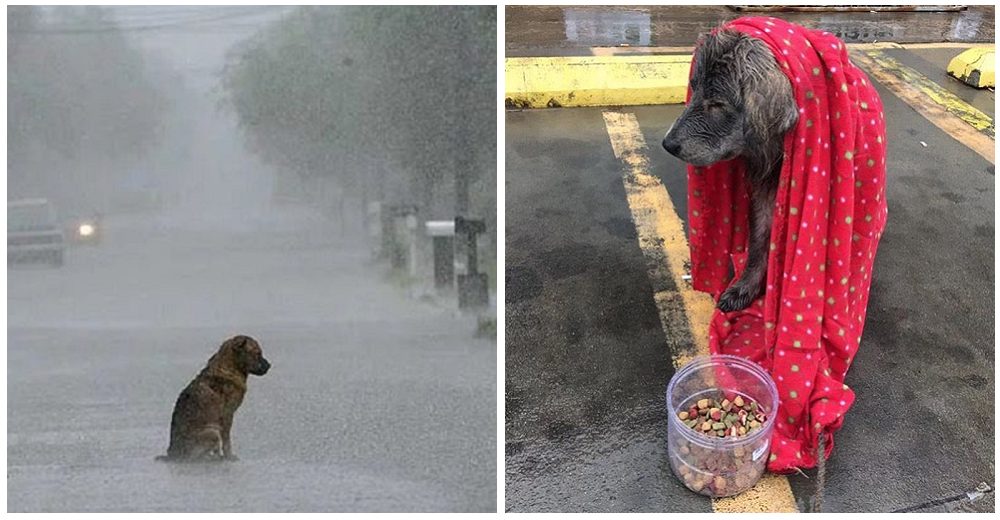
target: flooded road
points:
(374, 402)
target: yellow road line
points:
(662, 240)
(952, 103)
(944, 45)
(948, 112)
(665, 247)
(577, 81)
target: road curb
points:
(582, 81)
(975, 67)
(615, 76)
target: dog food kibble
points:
(717, 473)
(719, 470)
(734, 418)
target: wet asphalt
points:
(586, 369)
(587, 360)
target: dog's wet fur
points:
(741, 105)
(203, 415)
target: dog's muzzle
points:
(261, 368)
(670, 143)
(672, 146)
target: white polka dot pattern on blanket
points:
(830, 211)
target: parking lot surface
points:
(589, 354)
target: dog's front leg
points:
(227, 445)
(751, 283)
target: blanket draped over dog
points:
(829, 214)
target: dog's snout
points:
(263, 367)
(671, 145)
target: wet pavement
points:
(566, 31)
(585, 369)
(588, 362)
(373, 402)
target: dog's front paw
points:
(735, 298)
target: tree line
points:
(79, 104)
(396, 104)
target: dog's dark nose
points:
(672, 146)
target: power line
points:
(174, 24)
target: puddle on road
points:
(605, 28)
(669, 26)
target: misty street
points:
(192, 173)
(372, 402)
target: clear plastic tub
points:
(719, 466)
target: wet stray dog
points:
(203, 414)
(741, 105)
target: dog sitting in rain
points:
(203, 415)
(741, 105)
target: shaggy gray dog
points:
(741, 105)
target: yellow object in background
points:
(975, 67)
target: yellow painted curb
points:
(613, 76)
(975, 67)
(622, 76)
(582, 81)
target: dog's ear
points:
(769, 105)
(789, 115)
(770, 115)
(701, 39)
(236, 343)
(712, 52)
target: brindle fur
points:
(203, 415)
(741, 105)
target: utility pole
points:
(463, 160)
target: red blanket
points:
(829, 214)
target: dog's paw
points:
(735, 298)
(230, 457)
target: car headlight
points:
(86, 230)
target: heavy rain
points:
(321, 179)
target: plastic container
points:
(719, 466)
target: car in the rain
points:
(34, 233)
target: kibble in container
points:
(720, 461)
